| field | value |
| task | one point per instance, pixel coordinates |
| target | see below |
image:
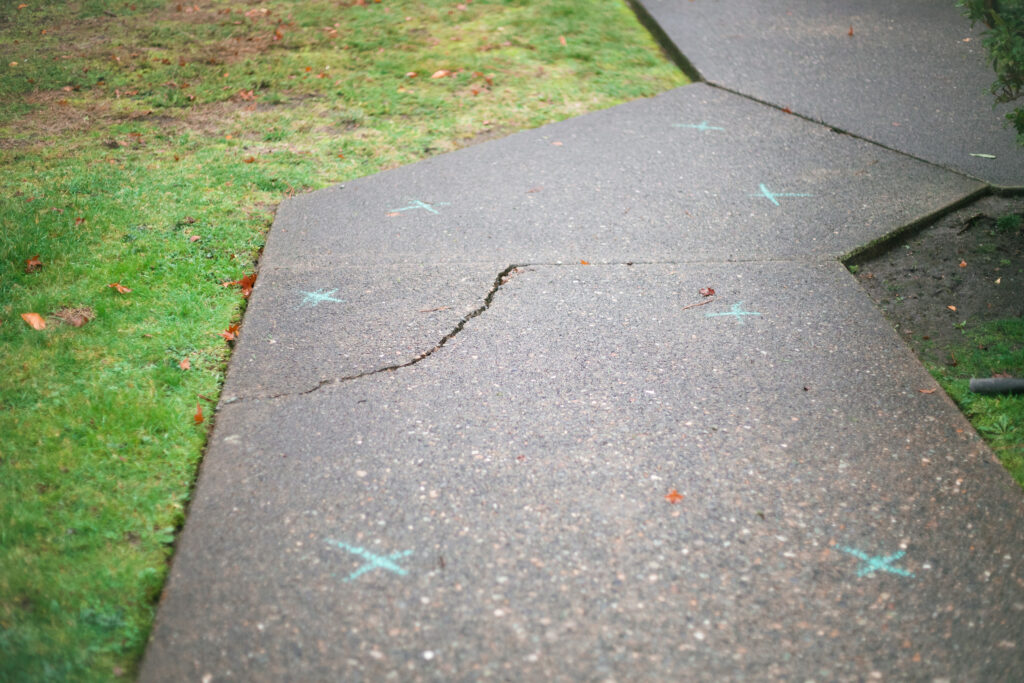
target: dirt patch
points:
(966, 269)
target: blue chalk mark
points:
(702, 126)
(772, 196)
(736, 311)
(417, 204)
(872, 564)
(373, 561)
(311, 299)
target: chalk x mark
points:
(417, 204)
(373, 561)
(736, 311)
(312, 299)
(702, 126)
(773, 196)
(873, 564)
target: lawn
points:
(144, 146)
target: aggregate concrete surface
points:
(913, 76)
(482, 423)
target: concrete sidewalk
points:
(482, 423)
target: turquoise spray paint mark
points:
(772, 196)
(873, 564)
(736, 311)
(373, 561)
(702, 126)
(417, 204)
(311, 299)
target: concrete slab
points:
(305, 327)
(500, 509)
(690, 175)
(913, 76)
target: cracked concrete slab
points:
(307, 327)
(913, 76)
(499, 509)
(693, 174)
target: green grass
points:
(992, 348)
(127, 130)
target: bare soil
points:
(964, 270)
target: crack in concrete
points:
(503, 277)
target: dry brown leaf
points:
(927, 391)
(33, 264)
(185, 363)
(34, 320)
(952, 308)
(76, 317)
(198, 417)
(441, 73)
(121, 289)
(230, 334)
(247, 284)
(674, 496)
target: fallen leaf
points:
(249, 160)
(584, 263)
(34, 320)
(1002, 375)
(952, 308)
(411, 74)
(927, 391)
(561, 39)
(674, 496)
(247, 284)
(33, 264)
(121, 289)
(998, 280)
(441, 73)
(851, 31)
(76, 317)
(963, 264)
(707, 291)
(198, 417)
(194, 238)
(787, 110)
(230, 334)
(557, 144)
(185, 363)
